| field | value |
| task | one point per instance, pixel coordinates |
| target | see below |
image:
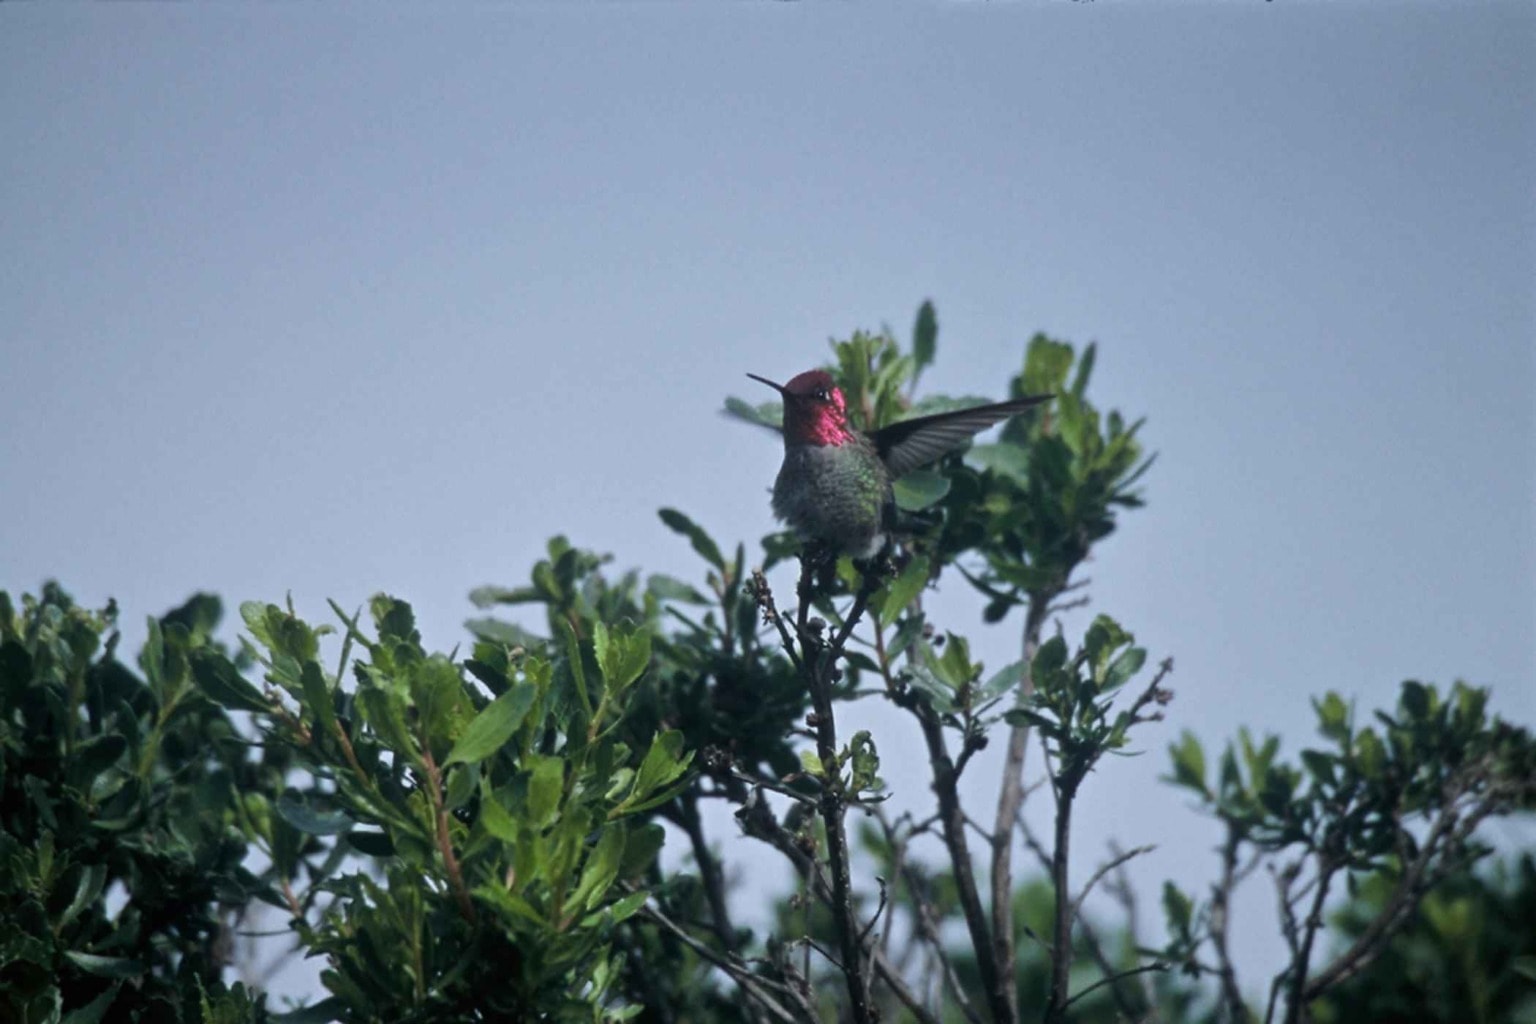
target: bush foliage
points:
(475, 835)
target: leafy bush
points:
(125, 840)
(477, 837)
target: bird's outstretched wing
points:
(910, 444)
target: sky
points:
(324, 301)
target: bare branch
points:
(1120, 889)
(1010, 801)
(764, 597)
(1118, 860)
(1296, 1001)
(748, 980)
(928, 933)
(1128, 1009)
(818, 667)
(1450, 832)
(1066, 606)
(710, 873)
(1143, 969)
(997, 984)
(757, 821)
(1221, 903)
(1061, 931)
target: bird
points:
(834, 487)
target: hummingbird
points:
(834, 487)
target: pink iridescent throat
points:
(819, 424)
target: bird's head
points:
(814, 409)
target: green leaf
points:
(545, 784)
(499, 632)
(393, 618)
(811, 764)
(1046, 363)
(926, 682)
(1029, 578)
(1189, 763)
(509, 903)
(670, 588)
(1084, 370)
(920, 489)
(153, 656)
(316, 821)
(222, 684)
(485, 597)
(1028, 716)
(1051, 656)
(323, 1012)
(495, 818)
(489, 730)
(910, 631)
(628, 906)
(89, 887)
(954, 665)
(1320, 764)
(664, 762)
(1370, 754)
(93, 1011)
(1178, 908)
(1332, 716)
(1003, 458)
(641, 848)
(106, 966)
(623, 655)
(701, 541)
(601, 869)
(1003, 680)
(1104, 635)
(903, 589)
(462, 780)
(384, 710)
(370, 843)
(866, 763)
(769, 414)
(95, 756)
(318, 696)
(1124, 667)
(925, 334)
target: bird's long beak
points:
(764, 380)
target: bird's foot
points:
(880, 567)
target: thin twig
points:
(821, 664)
(1131, 973)
(750, 983)
(928, 933)
(1123, 892)
(1296, 1001)
(773, 784)
(1066, 606)
(1010, 801)
(1061, 931)
(1451, 829)
(1128, 1009)
(764, 597)
(1284, 879)
(1116, 861)
(997, 986)
(710, 872)
(1221, 905)
(864, 935)
(444, 841)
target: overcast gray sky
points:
(332, 300)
